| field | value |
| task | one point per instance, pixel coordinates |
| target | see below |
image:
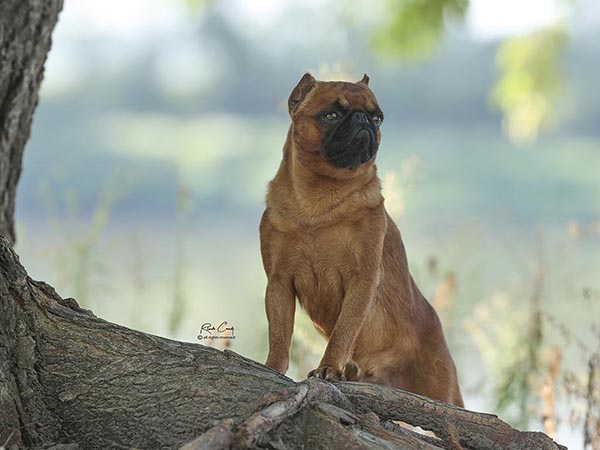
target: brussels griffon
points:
(327, 240)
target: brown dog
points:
(327, 239)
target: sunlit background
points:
(161, 122)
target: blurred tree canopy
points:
(414, 28)
(530, 80)
(195, 5)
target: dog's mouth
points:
(353, 149)
(363, 131)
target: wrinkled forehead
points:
(347, 95)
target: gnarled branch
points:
(71, 380)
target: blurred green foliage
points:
(531, 81)
(414, 28)
(178, 308)
(80, 262)
(197, 5)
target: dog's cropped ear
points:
(365, 79)
(304, 86)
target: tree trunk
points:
(69, 380)
(25, 30)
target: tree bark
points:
(70, 380)
(25, 37)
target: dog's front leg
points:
(280, 302)
(359, 296)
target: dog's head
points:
(335, 125)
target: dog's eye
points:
(331, 116)
(377, 119)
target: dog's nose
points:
(360, 117)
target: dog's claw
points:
(327, 373)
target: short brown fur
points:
(327, 240)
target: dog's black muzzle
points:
(352, 142)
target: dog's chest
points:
(321, 261)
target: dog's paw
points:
(327, 373)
